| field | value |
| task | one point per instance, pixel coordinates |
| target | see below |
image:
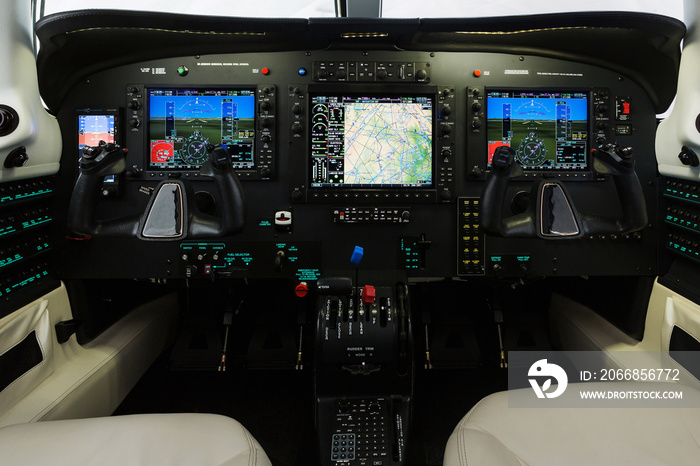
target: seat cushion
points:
(492, 433)
(144, 439)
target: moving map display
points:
(371, 142)
(182, 122)
(547, 130)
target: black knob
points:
(600, 108)
(688, 157)
(476, 106)
(421, 75)
(266, 105)
(601, 125)
(322, 73)
(266, 90)
(296, 91)
(445, 92)
(341, 74)
(134, 105)
(382, 74)
(476, 172)
(134, 122)
(405, 215)
(16, 158)
(446, 110)
(297, 128)
(265, 123)
(296, 109)
(475, 92)
(446, 152)
(265, 172)
(476, 124)
(445, 130)
(296, 195)
(133, 90)
(265, 138)
(498, 270)
(446, 195)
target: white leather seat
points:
(146, 439)
(494, 434)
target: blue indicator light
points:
(302, 71)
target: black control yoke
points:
(551, 214)
(171, 213)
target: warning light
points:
(265, 71)
(477, 73)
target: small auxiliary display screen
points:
(548, 130)
(371, 141)
(182, 122)
(93, 128)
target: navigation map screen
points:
(182, 122)
(95, 128)
(371, 141)
(547, 130)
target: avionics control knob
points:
(266, 106)
(476, 124)
(600, 108)
(134, 122)
(296, 195)
(133, 90)
(476, 106)
(445, 130)
(265, 138)
(446, 152)
(265, 172)
(134, 105)
(265, 123)
(297, 128)
(322, 74)
(406, 215)
(446, 195)
(421, 75)
(341, 74)
(381, 74)
(446, 110)
(296, 109)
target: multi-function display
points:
(548, 130)
(371, 141)
(183, 122)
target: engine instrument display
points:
(183, 122)
(363, 141)
(548, 130)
